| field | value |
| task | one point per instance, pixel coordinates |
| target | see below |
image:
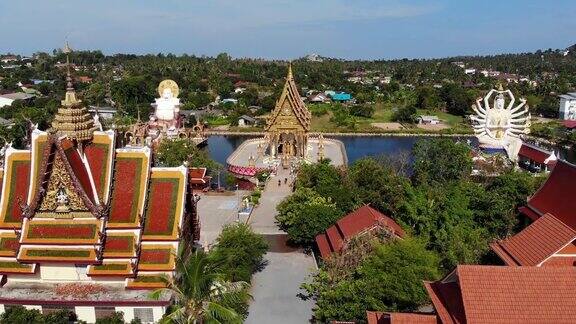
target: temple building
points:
(288, 126)
(287, 141)
(86, 226)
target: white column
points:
(2, 310)
(86, 313)
(128, 313)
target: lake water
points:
(220, 146)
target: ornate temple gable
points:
(14, 187)
(290, 111)
(129, 189)
(100, 157)
(64, 184)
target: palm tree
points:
(200, 295)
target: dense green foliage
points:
(389, 280)
(21, 315)
(450, 214)
(177, 152)
(238, 252)
(441, 161)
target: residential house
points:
(246, 121)
(428, 120)
(568, 106)
(8, 98)
(318, 98)
(341, 97)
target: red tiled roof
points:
(533, 153)
(499, 294)
(197, 175)
(400, 318)
(535, 243)
(552, 196)
(352, 224)
(447, 300)
(569, 123)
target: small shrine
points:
(499, 122)
(166, 122)
(287, 141)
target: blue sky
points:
(287, 29)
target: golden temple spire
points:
(72, 119)
(290, 75)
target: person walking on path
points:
(279, 182)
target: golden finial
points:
(500, 88)
(290, 76)
(67, 50)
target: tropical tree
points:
(200, 293)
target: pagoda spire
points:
(290, 75)
(72, 119)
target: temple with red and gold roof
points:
(80, 216)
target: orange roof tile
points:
(535, 243)
(499, 294)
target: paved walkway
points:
(275, 290)
(263, 219)
(215, 211)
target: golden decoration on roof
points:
(72, 119)
(168, 84)
(288, 125)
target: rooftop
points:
(536, 243)
(360, 220)
(500, 294)
(18, 96)
(551, 197)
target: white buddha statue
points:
(498, 126)
(168, 105)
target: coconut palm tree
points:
(201, 296)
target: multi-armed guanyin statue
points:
(498, 126)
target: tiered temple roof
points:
(74, 199)
(290, 102)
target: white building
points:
(470, 71)
(9, 98)
(568, 106)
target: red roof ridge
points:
(550, 197)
